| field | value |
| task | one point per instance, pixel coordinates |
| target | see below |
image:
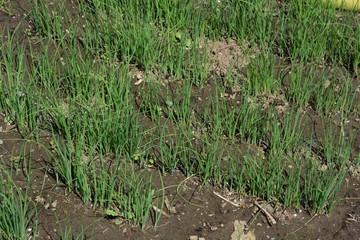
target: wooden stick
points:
(227, 200)
(269, 217)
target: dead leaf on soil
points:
(54, 204)
(194, 237)
(171, 209)
(160, 211)
(39, 199)
(327, 84)
(239, 234)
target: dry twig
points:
(226, 199)
(269, 217)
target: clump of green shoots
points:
(18, 212)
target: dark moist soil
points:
(196, 211)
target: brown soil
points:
(196, 211)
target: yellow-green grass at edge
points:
(345, 4)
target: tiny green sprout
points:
(28, 32)
(188, 43)
(111, 213)
(52, 146)
(118, 222)
(7, 119)
(130, 215)
(15, 159)
(151, 160)
(178, 36)
(136, 156)
(169, 103)
(158, 110)
(103, 57)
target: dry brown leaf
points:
(239, 234)
(39, 199)
(160, 211)
(327, 84)
(54, 204)
(171, 209)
